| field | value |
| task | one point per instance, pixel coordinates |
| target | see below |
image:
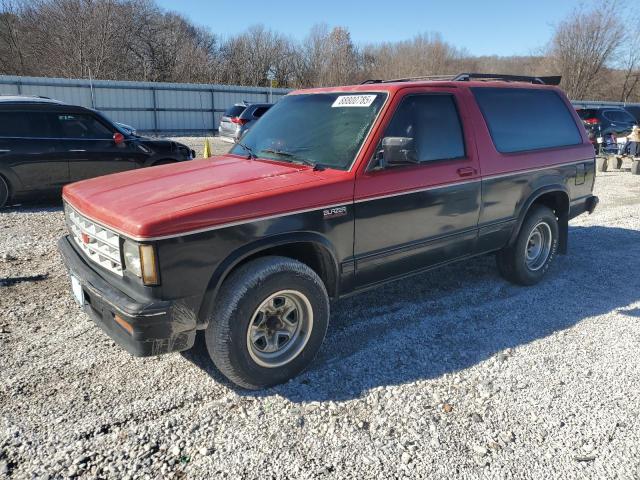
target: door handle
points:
(466, 171)
(78, 150)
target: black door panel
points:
(399, 234)
(88, 144)
(94, 158)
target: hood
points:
(190, 196)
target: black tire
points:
(236, 309)
(635, 167)
(4, 192)
(601, 164)
(513, 263)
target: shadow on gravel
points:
(37, 205)
(458, 316)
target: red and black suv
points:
(335, 191)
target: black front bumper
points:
(156, 326)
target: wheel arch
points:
(312, 249)
(555, 197)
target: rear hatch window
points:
(620, 116)
(234, 111)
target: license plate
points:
(76, 288)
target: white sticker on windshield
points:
(354, 101)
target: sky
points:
(482, 27)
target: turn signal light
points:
(123, 323)
(149, 265)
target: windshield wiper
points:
(282, 153)
(251, 153)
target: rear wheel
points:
(528, 259)
(4, 192)
(268, 323)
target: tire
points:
(601, 164)
(519, 263)
(635, 167)
(247, 302)
(4, 192)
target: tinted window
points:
(635, 111)
(433, 123)
(618, 116)
(25, 124)
(585, 113)
(234, 111)
(81, 126)
(260, 111)
(522, 119)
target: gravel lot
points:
(451, 374)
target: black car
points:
(45, 144)
(606, 125)
(635, 111)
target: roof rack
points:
(465, 77)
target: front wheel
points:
(528, 259)
(268, 323)
(4, 192)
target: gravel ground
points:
(450, 374)
(218, 147)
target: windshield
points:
(322, 128)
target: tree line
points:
(596, 50)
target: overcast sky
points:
(499, 27)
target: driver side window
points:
(428, 126)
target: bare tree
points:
(137, 40)
(12, 40)
(630, 63)
(583, 45)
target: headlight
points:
(140, 260)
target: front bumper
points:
(157, 326)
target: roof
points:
(395, 86)
(27, 99)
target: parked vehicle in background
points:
(607, 127)
(635, 111)
(45, 144)
(341, 190)
(239, 118)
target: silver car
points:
(238, 119)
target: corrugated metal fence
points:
(162, 108)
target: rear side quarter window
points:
(524, 119)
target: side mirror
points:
(118, 138)
(398, 151)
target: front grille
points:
(99, 244)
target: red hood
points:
(189, 196)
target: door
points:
(28, 149)
(409, 217)
(90, 148)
